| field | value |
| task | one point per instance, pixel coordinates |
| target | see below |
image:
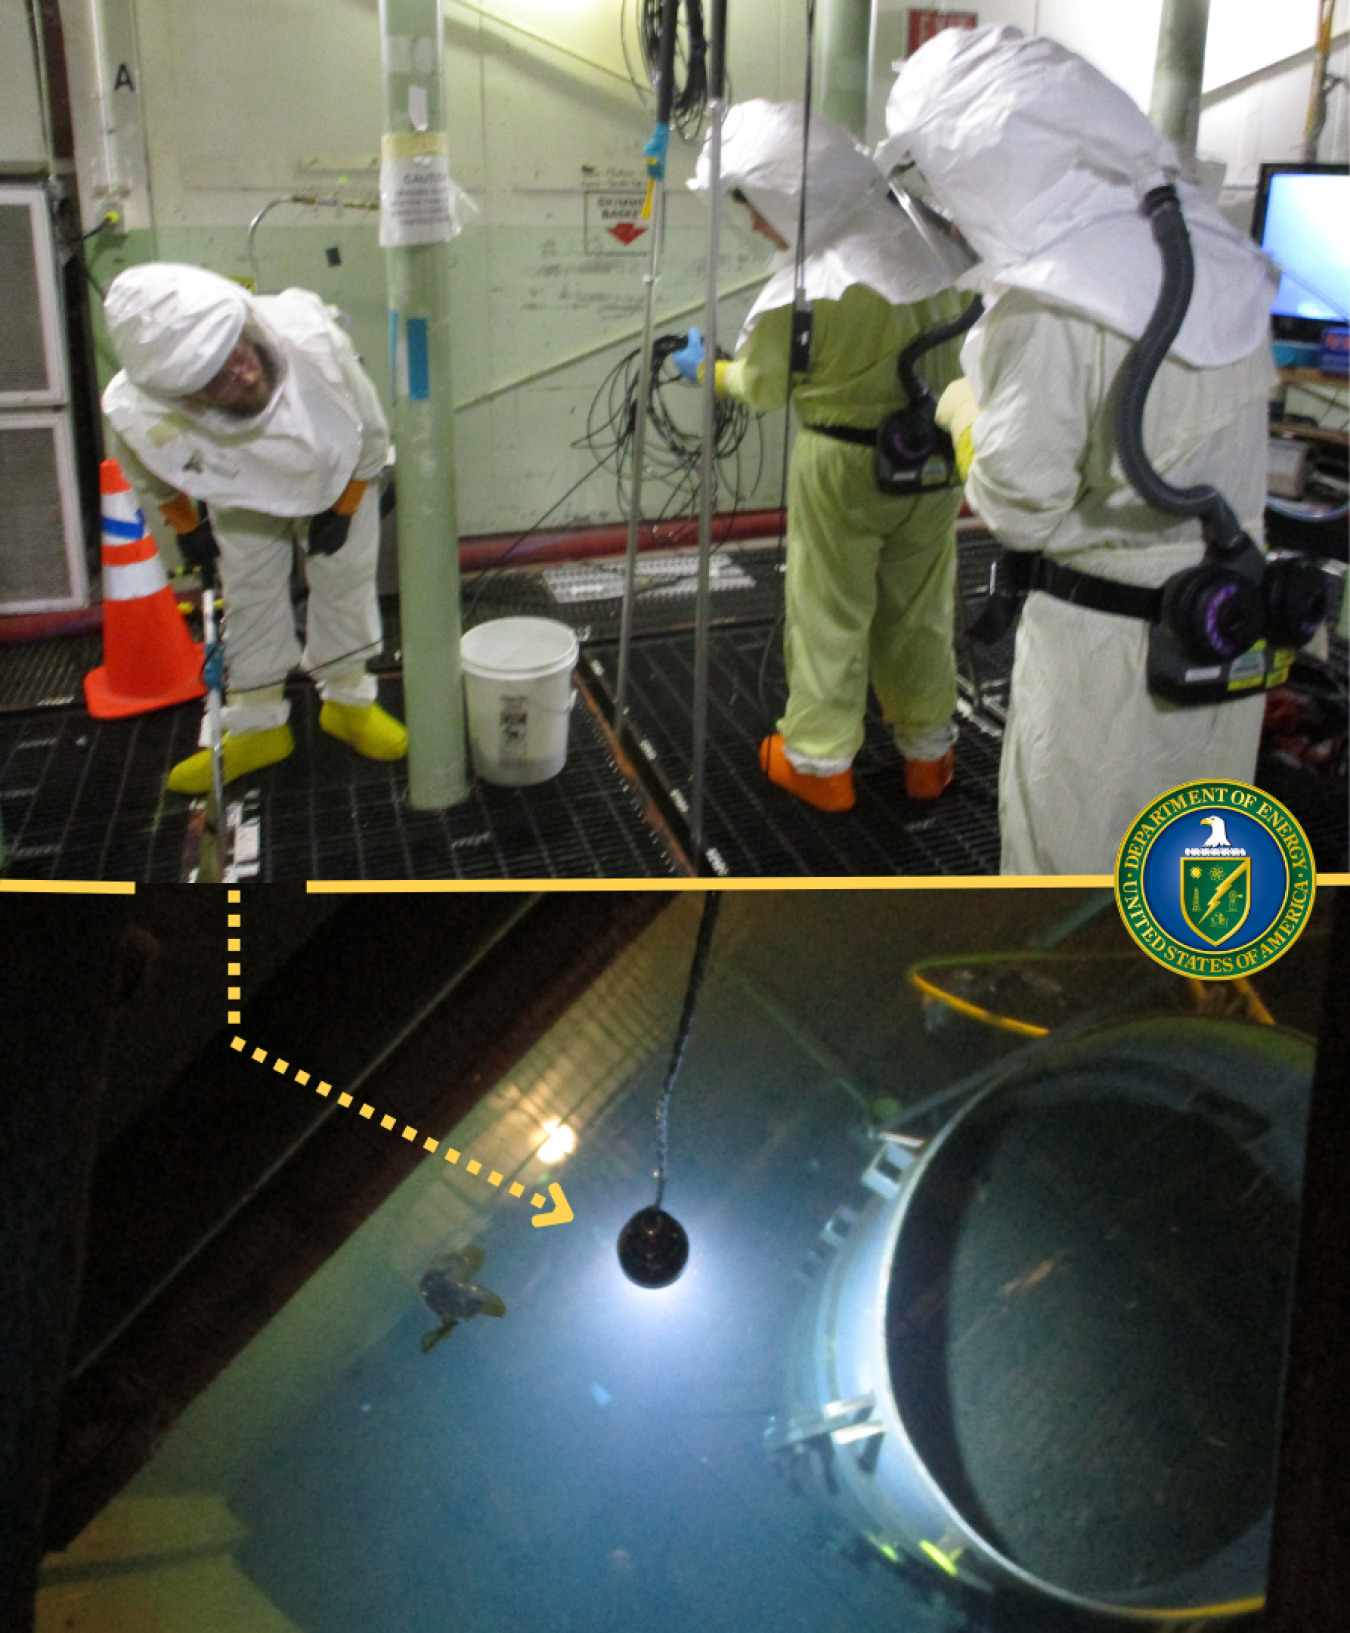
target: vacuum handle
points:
(665, 62)
(717, 50)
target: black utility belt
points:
(1030, 570)
(846, 433)
(911, 455)
(1177, 671)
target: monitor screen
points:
(1303, 223)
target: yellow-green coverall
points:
(870, 579)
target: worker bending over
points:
(258, 407)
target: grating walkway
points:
(83, 799)
(753, 829)
(326, 813)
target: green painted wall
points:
(244, 101)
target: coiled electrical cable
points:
(691, 79)
(674, 439)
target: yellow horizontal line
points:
(69, 887)
(993, 881)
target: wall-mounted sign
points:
(923, 25)
(614, 221)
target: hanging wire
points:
(712, 906)
(691, 47)
(672, 453)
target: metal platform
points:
(83, 799)
(752, 828)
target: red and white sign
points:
(615, 213)
(923, 25)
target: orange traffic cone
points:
(149, 658)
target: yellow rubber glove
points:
(957, 412)
(719, 375)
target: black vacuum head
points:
(653, 1248)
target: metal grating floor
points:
(326, 813)
(84, 799)
(587, 595)
(753, 829)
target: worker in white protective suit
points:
(870, 577)
(1040, 162)
(258, 407)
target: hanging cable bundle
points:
(673, 447)
(653, 1247)
(691, 85)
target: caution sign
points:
(415, 189)
(614, 221)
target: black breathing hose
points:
(915, 389)
(1220, 526)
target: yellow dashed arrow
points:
(562, 1212)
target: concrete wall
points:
(211, 108)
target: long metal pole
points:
(656, 201)
(707, 491)
(213, 867)
(415, 149)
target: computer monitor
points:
(1302, 221)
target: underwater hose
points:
(653, 1246)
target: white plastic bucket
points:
(518, 690)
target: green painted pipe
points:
(843, 30)
(1179, 71)
(419, 326)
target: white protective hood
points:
(1042, 161)
(173, 328)
(854, 234)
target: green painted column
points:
(843, 28)
(1179, 71)
(414, 229)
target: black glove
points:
(327, 533)
(198, 548)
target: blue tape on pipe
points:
(419, 367)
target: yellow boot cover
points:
(368, 729)
(246, 751)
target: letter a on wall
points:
(123, 80)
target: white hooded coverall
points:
(263, 478)
(1041, 161)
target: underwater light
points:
(561, 1141)
(653, 1247)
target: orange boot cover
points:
(825, 793)
(925, 779)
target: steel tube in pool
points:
(1044, 1355)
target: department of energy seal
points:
(1215, 879)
